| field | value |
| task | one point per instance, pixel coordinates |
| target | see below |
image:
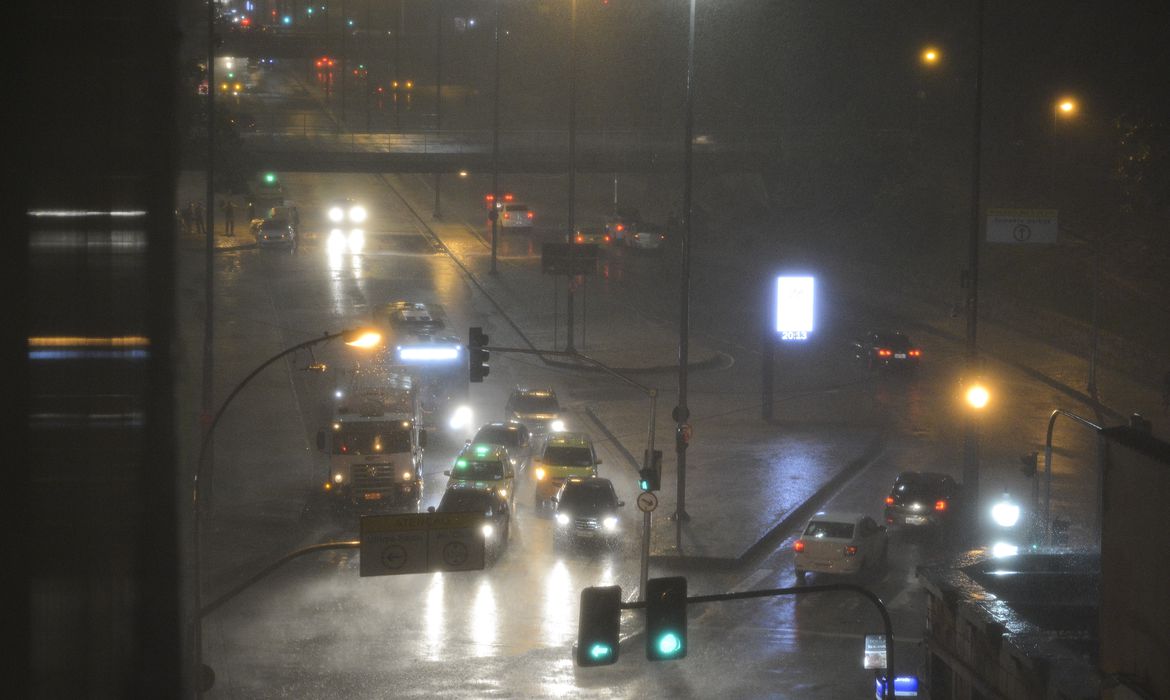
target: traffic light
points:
(650, 475)
(477, 356)
(599, 625)
(1029, 461)
(270, 179)
(666, 618)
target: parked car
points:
(840, 543)
(587, 509)
(497, 512)
(923, 499)
(887, 350)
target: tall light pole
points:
(681, 412)
(971, 433)
(360, 338)
(569, 322)
(438, 89)
(494, 214)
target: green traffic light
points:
(644, 485)
(600, 651)
(669, 644)
(269, 178)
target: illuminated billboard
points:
(794, 307)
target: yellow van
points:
(565, 455)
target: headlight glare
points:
(562, 519)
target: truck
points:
(375, 443)
(436, 360)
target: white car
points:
(646, 237)
(840, 543)
(516, 215)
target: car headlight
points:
(488, 530)
(503, 493)
(407, 476)
(539, 473)
(460, 418)
(562, 519)
(610, 523)
(357, 214)
(336, 215)
(338, 478)
(557, 426)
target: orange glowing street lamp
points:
(930, 56)
(1067, 108)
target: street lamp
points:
(359, 338)
(930, 56)
(1067, 108)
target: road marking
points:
(747, 583)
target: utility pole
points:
(572, 161)
(494, 214)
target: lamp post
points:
(438, 89)
(569, 322)
(494, 215)
(681, 412)
(971, 437)
(360, 338)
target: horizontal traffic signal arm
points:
(803, 590)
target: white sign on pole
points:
(794, 307)
(1021, 225)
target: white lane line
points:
(747, 583)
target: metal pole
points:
(1048, 469)
(971, 438)
(196, 672)
(1092, 385)
(767, 373)
(439, 90)
(682, 413)
(647, 522)
(495, 214)
(572, 156)
(344, 57)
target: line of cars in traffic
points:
(562, 466)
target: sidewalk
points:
(191, 188)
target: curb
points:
(776, 533)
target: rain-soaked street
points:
(315, 628)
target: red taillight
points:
(507, 198)
(621, 227)
(850, 550)
(889, 500)
(884, 353)
(344, 449)
(940, 505)
(607, 238)
(505, 215)
(580, 239)
(529, 215)
(489, 198)
(798, 546)
(915, 353)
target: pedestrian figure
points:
(197, 208)
(229, 215)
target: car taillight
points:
(507, 198)
(505, 215)
(940, 505)
(580, 239)
(884, 353)
(529, 215)
(889, 500)
(850, 550)
(915, 353)
(607, 238)
(798, 546)
(621, 228)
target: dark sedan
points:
(887, 350)
(922, 499)
(488, 503)
(587, 509)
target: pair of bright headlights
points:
(608, 523)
